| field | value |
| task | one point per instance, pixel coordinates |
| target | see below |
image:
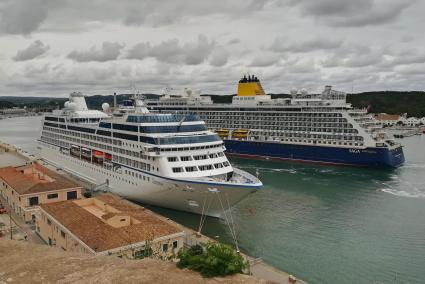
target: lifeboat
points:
(240, 133)
(223, 132)
(98, 154)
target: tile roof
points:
(384, 116)
(99, 235)
(31, 183)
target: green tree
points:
(215, 259)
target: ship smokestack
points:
(115, 100)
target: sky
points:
(54, 47)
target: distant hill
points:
(6, 104)
(412, 103)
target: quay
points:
(25, 227)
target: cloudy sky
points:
(53, 47)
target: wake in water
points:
(405, 188)
(403, 193)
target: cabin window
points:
(177, 170)
(191, 169)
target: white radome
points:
(106, 107)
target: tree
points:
(215, 259)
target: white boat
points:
(167, 160)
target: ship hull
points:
(208, 198)
(367, 157)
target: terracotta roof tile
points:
(99, 235)
(27, 184)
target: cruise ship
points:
(315, 128)
(167, 160)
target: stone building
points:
(108, 225)
(24, 188)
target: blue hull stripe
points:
(368, 157)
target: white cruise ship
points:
(167, 160)
(314, 128)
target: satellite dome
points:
(188, 91)
(294, 91)
(105, 107)
(304, 91)
(66, 104)
(72, 106)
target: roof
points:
(384, 116)
(35, 178)
(92, 228)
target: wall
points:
(20, 203)
(60, 237)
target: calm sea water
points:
(324, 224)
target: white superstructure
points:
(168, 160)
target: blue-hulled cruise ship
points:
(317, 128)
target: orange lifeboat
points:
(98, 154)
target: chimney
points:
(115, 100)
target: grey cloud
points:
(34, 50)
(353, 13)
(234, 41)
(281, 44)
(108, 51)
(265, 60)
(22, 17)
(171, 51)
(219, 56)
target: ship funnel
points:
(250, 86)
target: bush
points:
(214, 259)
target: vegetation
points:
(412, 103)
(215, 259)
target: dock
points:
(15, 157)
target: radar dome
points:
(304, 91)
(294, 91)
(72, 106)
(106, 107)
(188, 91)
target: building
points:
(26, 187)
(108, 225)
(388, 119)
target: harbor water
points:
(323, 224)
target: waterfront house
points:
(25, 188)
(108, 225)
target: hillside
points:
(22, 262)
(412, 103)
